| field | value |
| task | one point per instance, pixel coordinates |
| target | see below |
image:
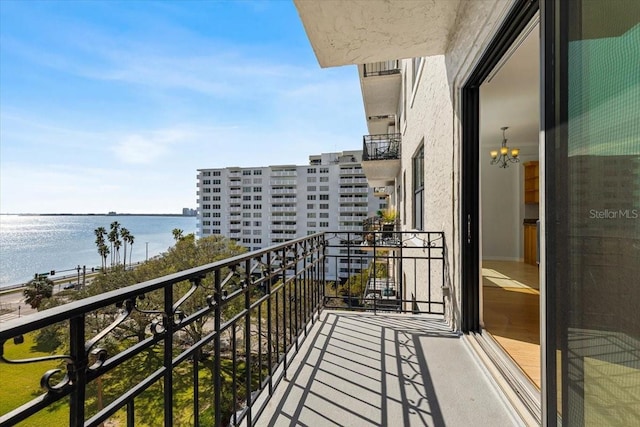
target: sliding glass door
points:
(591, 121)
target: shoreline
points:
(98, 214)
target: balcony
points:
(381, 158)
(381, 84)
(212, 344)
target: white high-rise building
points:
(265, 205)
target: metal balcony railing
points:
(382, 68)
(214, 341)
(381, 147)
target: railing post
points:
(168, 355)
(217, 367)
(79, 371)
(269, 324)
(247, 336)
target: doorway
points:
(509, 202)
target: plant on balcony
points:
(389, 216)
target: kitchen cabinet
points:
(530, 244)
(531, 182)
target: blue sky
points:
(114, 105)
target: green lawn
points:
(21, 383)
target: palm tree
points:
(38, 289)
(177, 234)
(124, 233)
(113, 237)
(103, 250)
(130, 240)
(100, 233)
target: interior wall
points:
(501, 214)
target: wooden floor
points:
(511, 311)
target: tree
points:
(38, 289)
(114, 236)
(177, 234)
(124, 233)
(104, 251)
(127, 238)
(100, 242)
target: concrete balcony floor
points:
(363, 369)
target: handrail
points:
(248, 312)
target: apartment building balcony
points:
(381, 84)
(291, 227)
(284, 173)
(352, 199)
(353, 209)
(235, 191)
(283, 191)
(283, 182)
(283, 208)
(215, 342)
(352, 180)
(381, 158)
(354, 190)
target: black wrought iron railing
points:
(400, 271)
(208, 345)
(382, 68)
(381, 147)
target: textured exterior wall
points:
(433, 115)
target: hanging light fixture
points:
(502, 157)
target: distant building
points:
(266, 205)
(189, 212)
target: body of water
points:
(39, 244)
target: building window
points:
(324, 224)
(246, 206)
(215, 198)
(311, 224)
(257, 197)
(311, 170)
(324, 214)
(257, 240)
(324, 188)
(324, 206)
(246, 198)
(324, 179)
(206, 182)
(257, 223)
(311, 179)
(257, 189)
(311, 188)
(324, 197)
(216, 190)
(311, 214)
(206, 173)
(257, 214)
(311, 197)
(216, 173)
(245, 173)
(311, 206)
(257, 172)
(324, 170)
(257, 180)
(418, 188)
(216, 181)
(257, 206)
(246, 189)
(246, 214)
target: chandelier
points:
(502, 157)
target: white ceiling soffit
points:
(362, 31)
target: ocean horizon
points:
(41, 243)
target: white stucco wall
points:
(433, 114)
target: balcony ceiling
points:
(362, 31)
(381, 173)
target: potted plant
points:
(388, 222)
